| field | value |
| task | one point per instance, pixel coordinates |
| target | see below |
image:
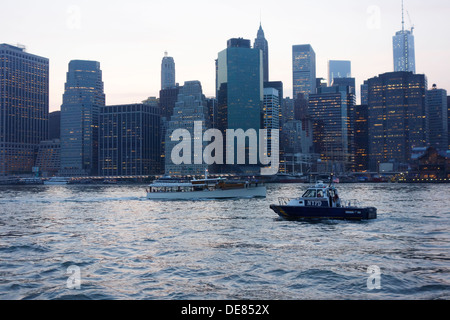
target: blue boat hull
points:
(322, 213)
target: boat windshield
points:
(311, 193)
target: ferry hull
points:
(258, 192)
(323, 213)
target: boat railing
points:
(350, 203)
(283, 201)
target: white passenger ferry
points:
(168, 188)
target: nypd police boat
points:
(322, 202)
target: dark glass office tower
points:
(304, 70)
(24, 107)
(329, 111)
(54, 125)
(262, 44)
(361, 138)
(448, 113)
(130, 143)
(397, 117)
(82, 99)
(240, 87)
(437, 118)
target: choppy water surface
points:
(127, 247)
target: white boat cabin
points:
(321, 195)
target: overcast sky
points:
(129, 37)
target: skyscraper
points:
(304, 70)
(361, 138)
(24, 107)
(271, 116)
(167, 72)
(448, 112)
(191, 107)
(240, 89)
(54, 125)
(262, 44)
(329, 110)
(240, 85)
(129, 140)
(397, 117)
(404, 49)
(437, 118)
(339, 69)
(82, 99)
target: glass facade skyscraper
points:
(240, 85)
(262, 44)
(329, 111)
(271, 116)
(24, 108)
(404, 51)
(167, 72)
(240, 91)
(304, 70)
(129, 139)
(339, 69)
(82, 99)
(397, 117)
(437, 118)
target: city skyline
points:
(130, 40)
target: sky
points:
(129, 38)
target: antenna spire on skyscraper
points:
(403, 17)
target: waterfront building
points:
(304, 70)
(48, 160)
(190, 108)
(448, 114)
(437, 118)
(329, 109)
(431, 165)
(361, 138)
(240, 90)
(167, 72)
(129, 143)
(339, 69)
(83, 97)
(271, 117)
(397, 117)
(24, 108)
(262, 44)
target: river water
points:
(121, 246)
